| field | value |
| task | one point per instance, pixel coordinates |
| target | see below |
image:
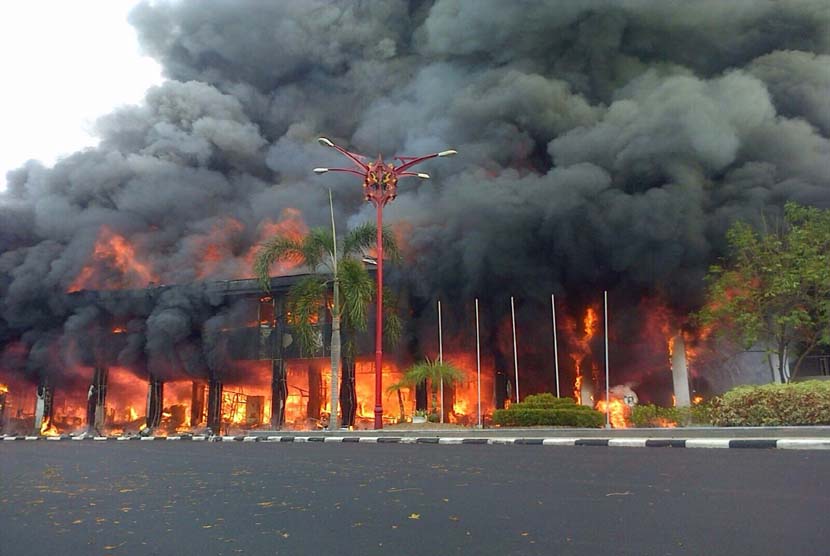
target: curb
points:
(644, 442)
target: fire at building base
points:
(258, 379)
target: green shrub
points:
(802, 403)
(656, 416)
(528, 417)
(547, 401)
(548, 410)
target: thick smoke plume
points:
(604, 145)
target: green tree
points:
(338, 264)
(775, 288)
(433, 372)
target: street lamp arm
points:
(410, 161)
(348, 170)
(354, 157)
(421, 175)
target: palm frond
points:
(392, 323)
(397, 386)
(364, 237)
(435, 372)
(390, 245)
(278, 248)
(356, 292)
(305, 302)
(360, 239)
(317, 247)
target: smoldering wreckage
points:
(605, 146)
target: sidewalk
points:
(804, 438)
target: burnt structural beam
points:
(214, 416)
(100, 379)
(197, 403)
(155, 402)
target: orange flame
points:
(618, 412)
(113, 253)
(582, 347)
(591, 321)
(290, 225)
(47, 428)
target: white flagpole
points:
(555, 347)
(515, 355)
(441, 357)
(478, 365)
(607, 388)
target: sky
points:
(63, 65)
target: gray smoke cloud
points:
(604, 145)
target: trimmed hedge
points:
(547, 410)
(547, 401)
(801, 403)
(656, 416)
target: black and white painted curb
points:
(762, 443)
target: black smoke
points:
(604, 145)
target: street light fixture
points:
(380, 186)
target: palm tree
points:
(318, 251)
(436, 373)
(396, 388)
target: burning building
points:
(603, 146)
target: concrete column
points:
(43, 406)
(680, 373)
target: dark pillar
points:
(421, 396)
(315, 391)
(3, 393)
(501, 382)
(155, 402)
(449, 400)
(214, 415)
(197, 404)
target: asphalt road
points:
(182, 498)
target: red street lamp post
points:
(380, 186)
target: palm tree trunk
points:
(400, 405)
(334, 423)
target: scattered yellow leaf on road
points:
(414, 516)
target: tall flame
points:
(113, 265)
(618, 412)
(581, 346)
